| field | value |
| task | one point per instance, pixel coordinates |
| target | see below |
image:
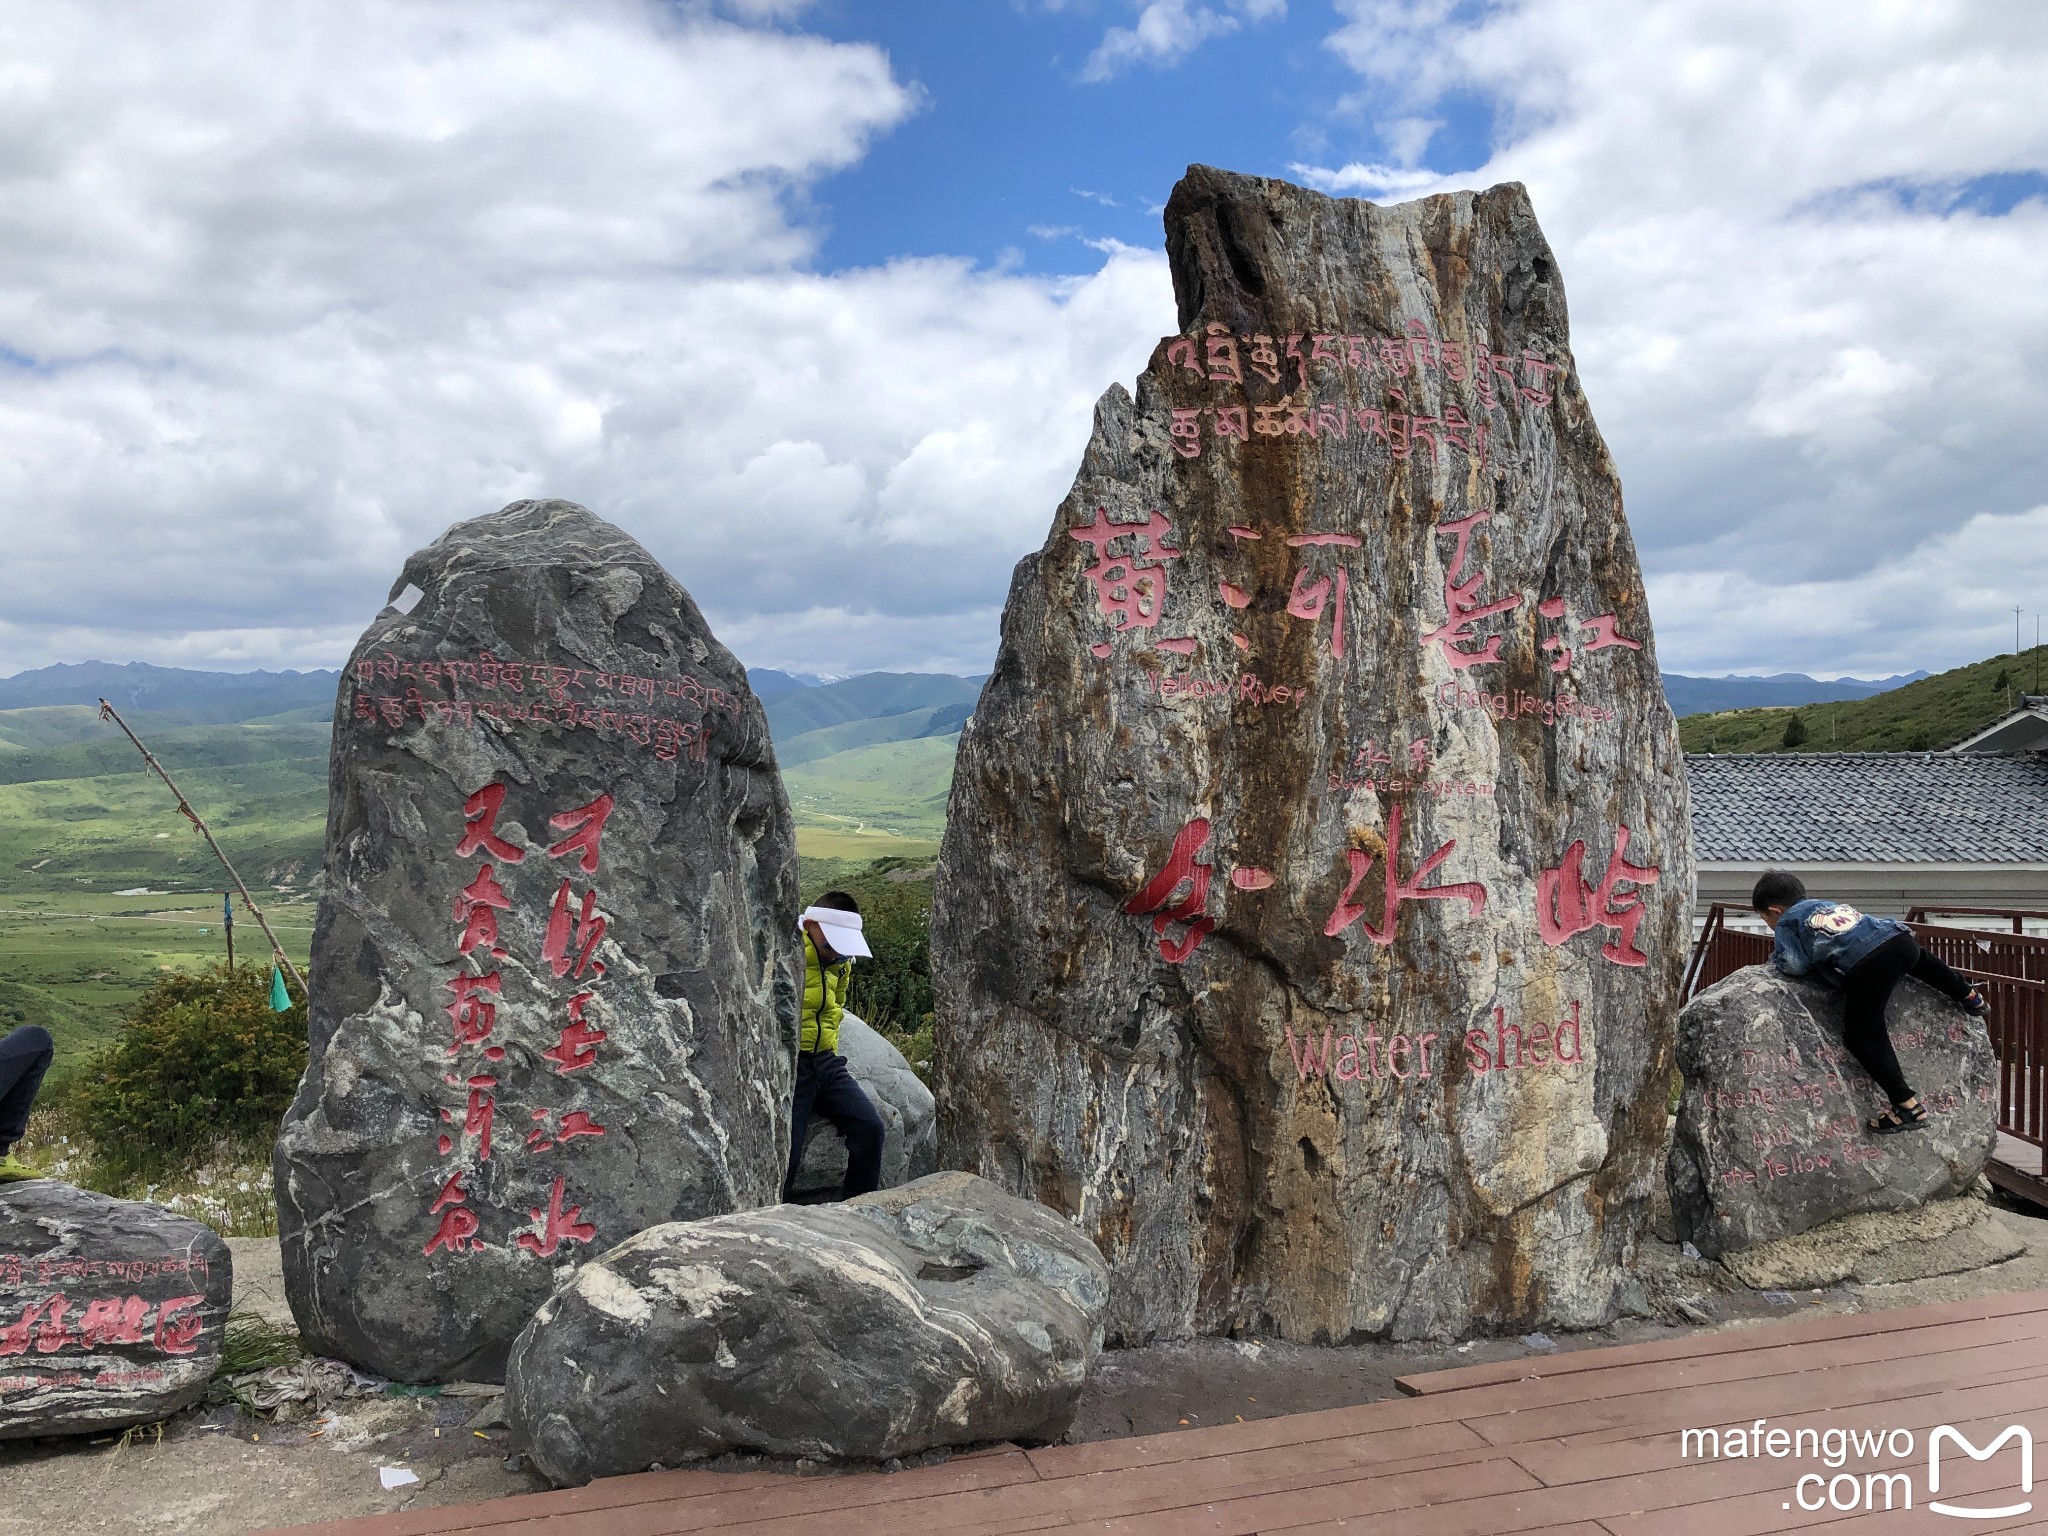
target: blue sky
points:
(1017, 156)
(814, 297)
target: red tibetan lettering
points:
(1129, 589)
(589, 821)
(569, 942)
(1157, 897)
(1567, 906)
(477, 906)
(482, 810)
(1398, 890)
(556, 1225)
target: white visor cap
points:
(842, 930)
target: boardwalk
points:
(1574, 1445)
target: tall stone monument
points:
(1313, 901)
(554, 974)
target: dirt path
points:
(215, 1472)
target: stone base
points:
(1944, 1237)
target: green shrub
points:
(202, 1060)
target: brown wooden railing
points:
(2019, 917)
(2011, 970)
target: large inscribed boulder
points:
(554, 973)
(942, 1313)
(111, 1311)
(1312, 905)
(1770, 1139)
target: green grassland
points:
(894, 790)
(83, 821)
(1929, 715)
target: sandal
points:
(1900, 1117)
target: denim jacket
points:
(1828, 939)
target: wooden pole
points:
(108, 712)
(227, 918)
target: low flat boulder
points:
(111, 1311)
(1770, 1140)
(943, 1313)
(1943, 1237)
(910, 1149)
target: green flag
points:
(280, 999)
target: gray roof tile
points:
(1870, 807)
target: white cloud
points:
(1818, 365)
(284, 292)
(1167, 31)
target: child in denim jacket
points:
(1865, 958)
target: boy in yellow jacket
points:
(832, 941)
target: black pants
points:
(1868, 987)
(24, 1058)
(823, 1084)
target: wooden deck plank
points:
(1563, 1446)
(1765, 1335)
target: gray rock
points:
(1770, 1138)
(111, 1311)
(942, 1313)
(1288, 834)
(909, 1150)
(447, 1161)
(1943, 1237)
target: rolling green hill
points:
(1929, 715)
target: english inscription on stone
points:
(1770, 1139)
(1312, 906)
(554, 974)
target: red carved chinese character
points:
(577, 1048)
(1157, 896)
(1601, 627)
(1398, 890)
(477, 907)
(1306, 602)
(474, 1017)
(55, 1333)
(1460, 598)
(556, 1225)
(1129, 589)
(112, 1320)
(1566, 906)
(556, 945)
(175, 1334)
(575, 1123)
(476, 1119)
(457, 1232)
(454, 1192)
(590, 819)
(482, 810)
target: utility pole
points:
(108, 712)
(227, 917)
(2015, 629)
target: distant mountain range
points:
(195, 698)
(1781, 690)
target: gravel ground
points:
(215, 1472)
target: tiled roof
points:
(1870, 807)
